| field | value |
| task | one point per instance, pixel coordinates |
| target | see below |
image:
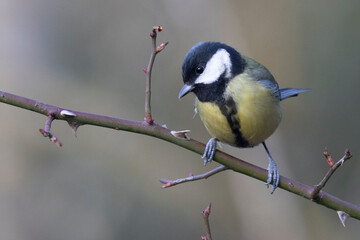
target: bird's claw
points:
(210, 150)
(273, 176)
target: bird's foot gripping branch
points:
(180, 138)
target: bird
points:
(237, 99)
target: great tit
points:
(237, 98)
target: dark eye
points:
(199, 69)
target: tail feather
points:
(291, 92)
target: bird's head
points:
(207, 68)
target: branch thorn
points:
(74, 126)
(343, 216)
(183, 134)
(66, 113)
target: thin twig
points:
(206, 214)
(321, 185)
(48, 122)
(155, 50)
(46, 132)
(171, 183)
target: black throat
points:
(211, 92)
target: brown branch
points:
(321, 185)
(148, 71)
(206, 214)
(164, 133)
(191, 178)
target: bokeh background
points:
(103, 184)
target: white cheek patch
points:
(218, 64)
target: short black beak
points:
(185, 90)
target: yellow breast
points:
(258, 112)
(215, 122)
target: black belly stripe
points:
(229, 110)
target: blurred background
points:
(104, 184)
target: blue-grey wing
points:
(260, 73)
(274, 88)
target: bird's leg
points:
(273, 173)
(210, 150)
